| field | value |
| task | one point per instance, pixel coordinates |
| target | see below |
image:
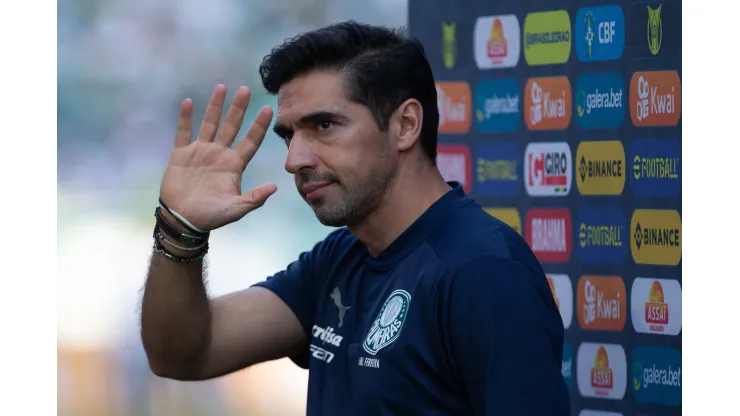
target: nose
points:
(300, 155)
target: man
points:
(419, 304)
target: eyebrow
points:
(310, 118)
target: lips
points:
(310, 187)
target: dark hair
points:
(383, 68)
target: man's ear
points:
(409, 117)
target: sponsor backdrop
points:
(563, 119)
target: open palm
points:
(202, 181)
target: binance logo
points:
(583, 168)
(656, 237)
(638, 236)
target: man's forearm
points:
(175, 316)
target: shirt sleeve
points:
(296, 285)
(505, 337)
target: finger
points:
(184, 133)
(234, 118)
(252, 141)
(212, 117)
(249, 201)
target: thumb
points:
(251, 200)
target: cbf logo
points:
(388, 324)
(449, 45)
(599, 33)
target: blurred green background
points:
(123, 69)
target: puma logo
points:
(336, 295)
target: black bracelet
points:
(161, 250)
(171, 231)
(181, 222)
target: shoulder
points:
(471, 237)
(338, 247)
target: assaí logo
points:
(656, 168)
(655, 98)
(497, 105)
(656, 237)
(496, 41)
(656, 306)
(603, 237)
(600, 100)
(599, 33)
(656, 376)
(602, 371)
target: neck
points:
(405, 200)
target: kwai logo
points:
(547, 103)
(562, 292)
(656, 168)
(497, 105)
(655, 98)
(656, 237)
(387, 326)
(599, 33)
(454, 162)
(548, 169)
(600, 100)
(498, 169)
(603, 236)
(454, 102)
(656, 376)
(656, 306)
(549, 234)
(602, 371)
(496, 41)
(602, 303)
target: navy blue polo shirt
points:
(455, 317)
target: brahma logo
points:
(655, 98)
(498, 170)
(454, 162)
(656, 237)
(602, 303)
(599, 33)
(454, 102)
(656, 306)
(496, 41)
(547, 169)
(549, 234)
(562, 291)
(602, 371)
(509, 216)
(497, 105)
(656, 376)
(656, 168)
(602, 235)
(547, 37)
(547, 103)
(600, 168)
(600, 100)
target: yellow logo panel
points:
(601, 168)
(656, 237)
(510, 216)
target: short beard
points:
(362, 199)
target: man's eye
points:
(324, 125)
